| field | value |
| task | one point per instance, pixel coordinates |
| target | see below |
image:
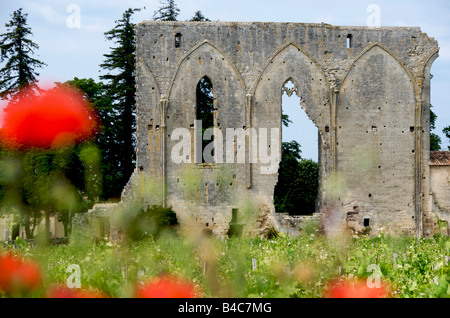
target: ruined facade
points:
(367, 90)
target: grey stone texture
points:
(370, 102)
(440, 197)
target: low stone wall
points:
(291, 225)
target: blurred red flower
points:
(355, 289)
(65, 292)
(54, 118)
(166, 287)
(18, 275)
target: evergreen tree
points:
(199, 17)
(168, 12)
(16, 48)
(121, 87)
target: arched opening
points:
(204, 114)
(298, 174)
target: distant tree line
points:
(35, 171)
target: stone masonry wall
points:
(369, 101)
(440, 195)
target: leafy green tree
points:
(307, 183)
(435, 140)
(289, 167)
(285, 120)
(297, 186)
(11, 172)
(35, 181)
(16, 48)
(110, 174)
(168, 12)
(199, 17)
(121, 88)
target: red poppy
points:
(18, 275)
(65, 292)
(54, 118)
(355, 289)
(166, 287)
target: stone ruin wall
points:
(440, 196)
(370, 103)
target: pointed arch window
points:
(204, 114)
(298, 174)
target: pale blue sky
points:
(71, 52)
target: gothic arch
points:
(428, 61)
(198, 50)
(292, 62)
(372, 149)
(229, 89)
(374, 46)
(229, 109)
(278, 52)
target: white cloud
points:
(47, 11)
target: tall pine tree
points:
(168, 12)
(16, 48)
(121, 85)
(199, 17)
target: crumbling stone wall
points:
(440, 181)
(294, 225)
(366, 90)
(440, 192)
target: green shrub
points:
(150, 222)
(272, 233)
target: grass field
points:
(250, 267)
